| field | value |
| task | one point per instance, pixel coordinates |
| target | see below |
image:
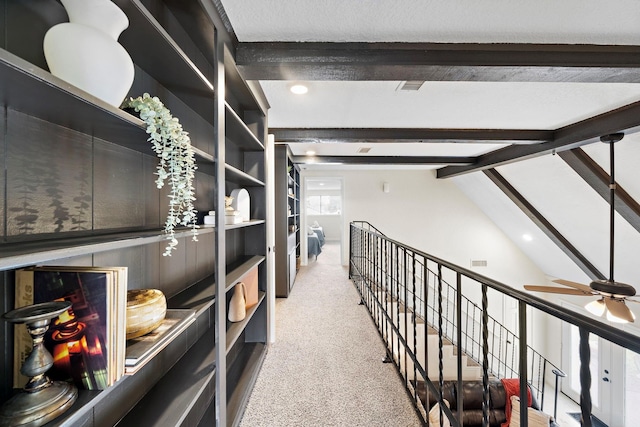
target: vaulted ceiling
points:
(507, 85)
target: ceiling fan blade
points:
(575, 285)
(555, 290)
(632, 300)
(617, 311)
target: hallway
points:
(325, 368)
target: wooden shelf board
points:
(159, 55)
(198, 297)
(206, 162)
(239, 133)
(16, 255)
(38, 93)
(239, 177)
(236, 274)
(240, 88)
(236, 329)
(171, 400)
(241, 377)
(249, 223)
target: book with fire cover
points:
(87, 342)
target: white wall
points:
(434, 216)
(331, 225)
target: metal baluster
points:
(440, 365)
(374, 291)
(426, 326)
(350, 251)
(524, 400)
(485, 351)
(406, 322)
(585, 379)
(459, 403)
(413, 316)
(500, 362)
(386, 291)
(493, 344)
(544, 372)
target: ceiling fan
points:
(612, 295)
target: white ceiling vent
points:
(363, 150)
(411, 85)
(478, 263)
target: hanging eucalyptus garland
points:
(176, 163)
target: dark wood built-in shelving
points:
(287, 190)
(176, 57)
(236, 329)
(242, 178)
(237, 273)
(238, 132)
(188, 385)
(25, 253)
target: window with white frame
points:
(324, 205)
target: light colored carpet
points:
(325, 368)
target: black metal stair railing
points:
(502, 353)
(409, 296)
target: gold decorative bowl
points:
(146, 309)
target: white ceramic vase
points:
(85, 51)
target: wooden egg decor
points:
(146, 309)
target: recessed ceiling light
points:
(527, 237)
(311, 153)
(322, 183)
(299, 89)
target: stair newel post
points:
(388, 286)
(425, 273)
(413, 311)
(395, 343)
(585, 378)
(351, 251)
(376, 264)
(376, 283)
(459, 403)
(440, 362)
(485, 357)
(522, 368)
(372, 269)
(405, 301)
(363, 253)
(369, 270)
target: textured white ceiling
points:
(454, 21)
(395, 149)
(471, 105)
(567, 201)
(440, 104)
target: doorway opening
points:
(323, 214)
(615, 376)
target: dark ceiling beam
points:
(598, 179)
(545, 226)
(625, 119)
(491, 62)
(383, 160)
(376, 135)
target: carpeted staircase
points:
(403, 319)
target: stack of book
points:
(88, 341)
